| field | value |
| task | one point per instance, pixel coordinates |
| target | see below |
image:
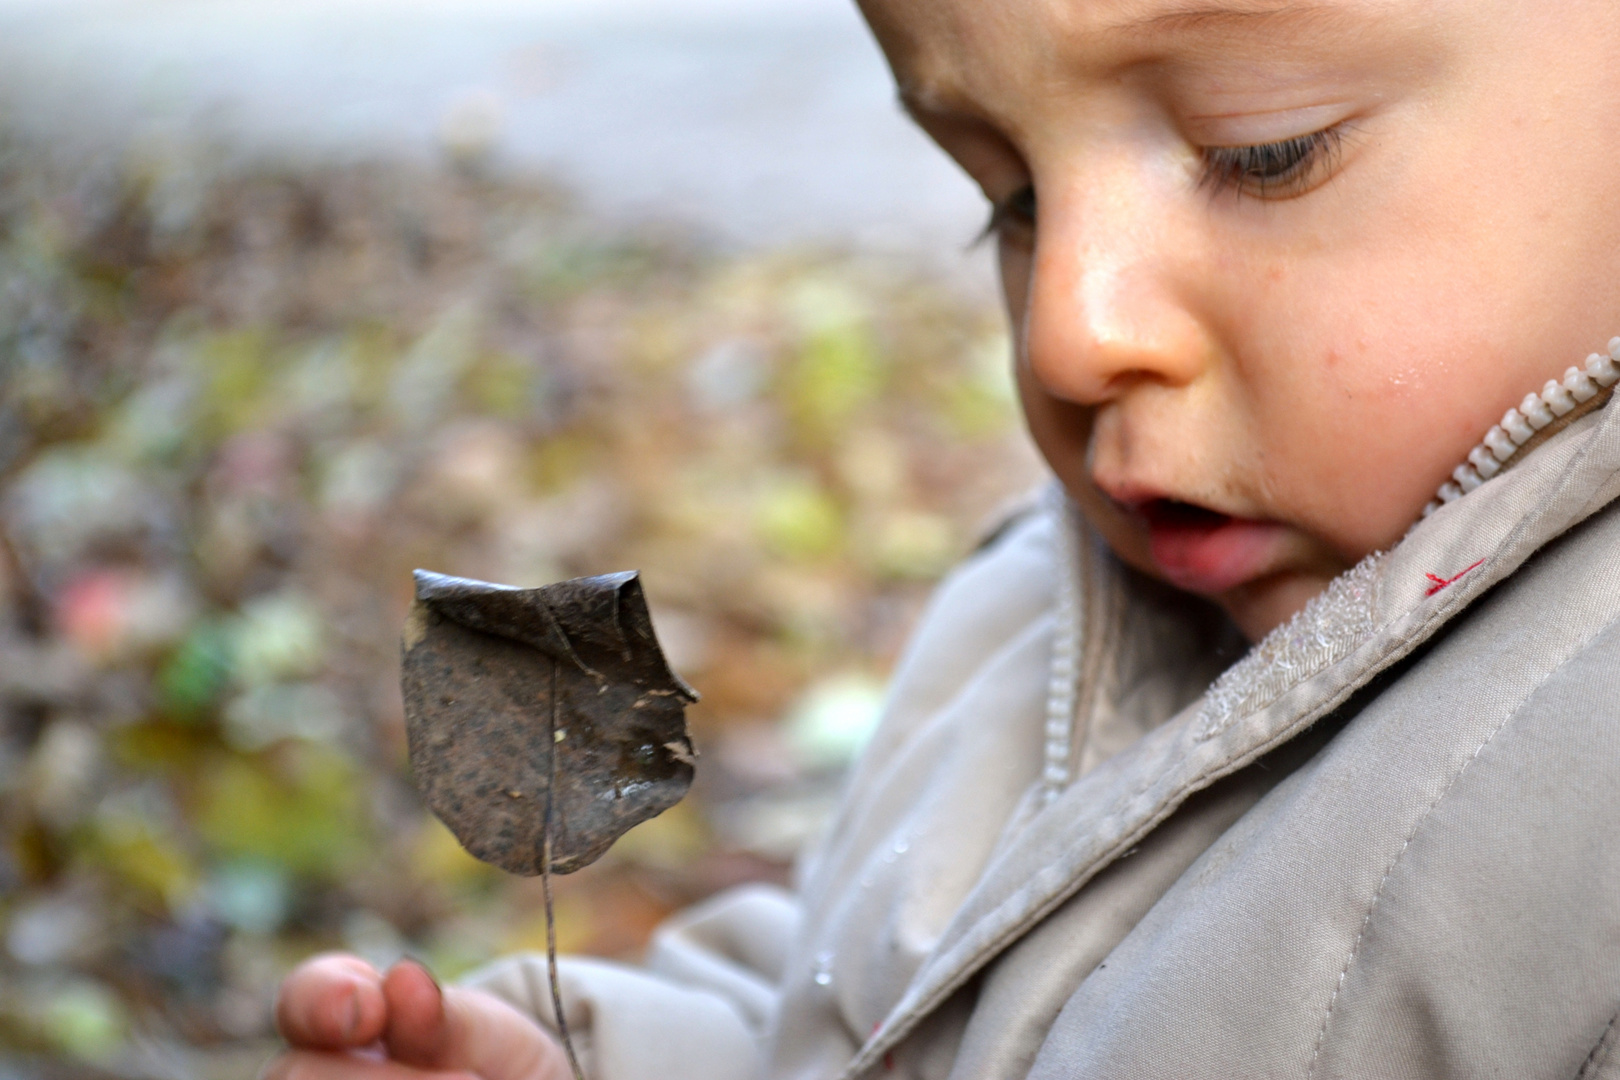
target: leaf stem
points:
(545, 889)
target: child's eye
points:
(1015, 213)
(1276, 170)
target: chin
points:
(1258, 607)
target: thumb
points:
(463, 1030)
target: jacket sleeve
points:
(705, 1000)
(698, 1009)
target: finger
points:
(331, 1002)
(461, 1029)
(418, 1029)
(320, 1065)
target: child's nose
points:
(1109, 304)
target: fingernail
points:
(352, 1025)
(432, 978)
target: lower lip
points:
(1214, 557)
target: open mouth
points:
(1174, 514)
(1204, 550)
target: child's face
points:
(1290, 260)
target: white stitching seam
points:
(1355, 947)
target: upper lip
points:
(1129, 497)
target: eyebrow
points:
(1217, 29)
(1238, 17)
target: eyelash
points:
(1015, 211)
(1275, 170)
(1271, 170)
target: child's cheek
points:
(1360, 447)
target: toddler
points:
(1310, 299)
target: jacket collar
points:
(1367, 620)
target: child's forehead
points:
(939, 47)
(1136, 18)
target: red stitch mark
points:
(888, 1059)
(1441, 582)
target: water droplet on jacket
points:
(822, 972)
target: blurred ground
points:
(763, 122)
(240, 403)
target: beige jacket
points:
(1386, 843)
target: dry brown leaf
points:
(516, 695)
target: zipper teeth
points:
(1532, 422)
(1062, 685)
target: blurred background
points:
(297, 296)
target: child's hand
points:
(343, 1020)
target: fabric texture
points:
(1386, 843)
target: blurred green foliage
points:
(240, 403)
